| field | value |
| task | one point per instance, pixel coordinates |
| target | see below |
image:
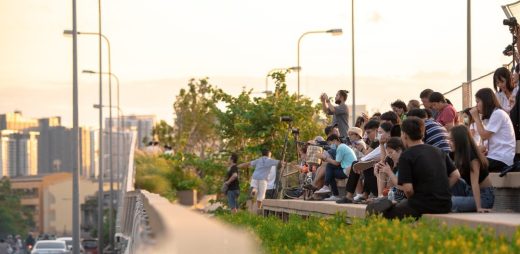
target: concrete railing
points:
(149, 223)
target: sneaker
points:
(332, 198)
(358, 196)
(344, 200)
(364, 165)
(324, 189)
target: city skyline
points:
(156, 54)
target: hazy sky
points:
(402, 47)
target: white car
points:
(68, 242)
(50, 247)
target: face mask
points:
(378, 137)
(333, 146)
(466, 120)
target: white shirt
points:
(504, 101)
(502, 144)
(474, 133)
(374, 155)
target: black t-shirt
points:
(466, 174)
(374, 144)
(234, 184)
(427, 168)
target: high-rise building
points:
(143, 124)
(16, 121)
(18, 153)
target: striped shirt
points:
(436, 135)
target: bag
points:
(224, 188)
(379, 206)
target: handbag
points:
(224, 188)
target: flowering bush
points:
(372, 235)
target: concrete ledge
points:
(313, 207)
(504, 224)
(511, 180)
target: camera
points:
(286, 119)
(295, 131)
(511, 22)
(508, 51)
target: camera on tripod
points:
(295, 131)
(508, 51)
(511, 22)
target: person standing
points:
(262, 167)
(233, 190)
(339, 113)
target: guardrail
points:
(149, 223)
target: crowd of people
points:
(413, 159)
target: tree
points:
(194, 125)
(249, 124)
(14, 219)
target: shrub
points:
(372, 235)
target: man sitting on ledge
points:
(423, 174)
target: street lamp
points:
(294, 68)
(335, 32)
(75, 130)
(100, 177)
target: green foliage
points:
(165, 175)
(372, 235)
(248, 124)
(14, 218)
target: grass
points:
(372, 235)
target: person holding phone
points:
(394, 148)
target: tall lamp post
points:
(118, 106)
(100, 177)
(294, 68)
(75, 128)
(337, 31)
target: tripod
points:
(281, 173)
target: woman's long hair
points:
(464, 146)
(504, 74)
(489, 102)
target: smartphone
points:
(390, 162)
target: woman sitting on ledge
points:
(474, 191)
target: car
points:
(90, 246)
(50, 247)
(68, 242)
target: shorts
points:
(260, 186)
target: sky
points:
(401, 48)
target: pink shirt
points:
(447, 115)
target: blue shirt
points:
(436, 135)
(263, 167)
(346, 156)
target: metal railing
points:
(149, 223)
